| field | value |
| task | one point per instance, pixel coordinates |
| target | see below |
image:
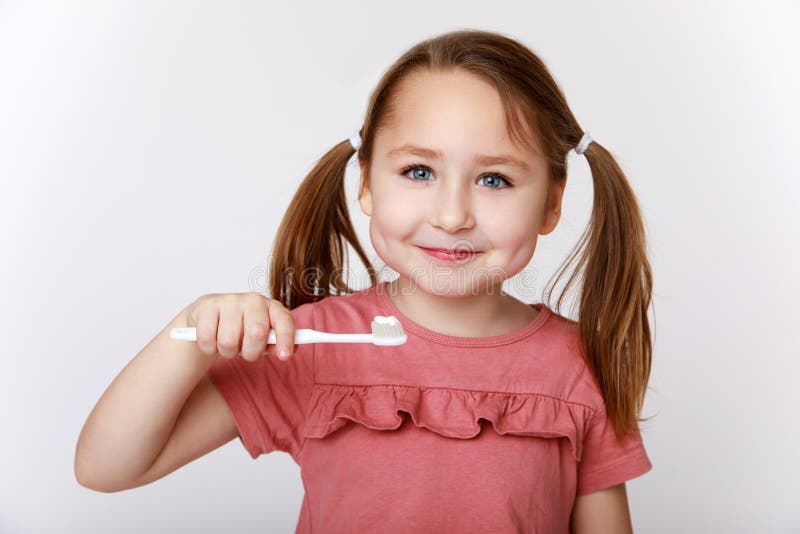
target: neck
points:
(490, 313)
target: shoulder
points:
(561, 338)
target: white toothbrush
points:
(386, 332)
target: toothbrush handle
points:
(301, 336)
(308, 335)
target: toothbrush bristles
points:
(387, 331)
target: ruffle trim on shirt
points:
(450, 412)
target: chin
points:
(450, 282)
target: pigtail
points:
(616, 292)
(309, 254)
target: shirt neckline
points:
(381, 293)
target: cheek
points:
(514, 232)
(392, 220)
(513, 252)
(389, 213)
(396, 211)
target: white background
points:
(148, 150)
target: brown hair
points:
(617, 282)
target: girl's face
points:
(437, 181)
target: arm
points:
(602, 512)
(158, 414)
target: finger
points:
(256, 329)
(229, 335)
(283, 323)
(206, 328)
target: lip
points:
(457, 256)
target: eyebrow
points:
(483, 159)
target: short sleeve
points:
(268, 397)
(605, 462)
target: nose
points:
(453, 210)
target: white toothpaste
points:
(390, 320)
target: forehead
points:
(455, 113)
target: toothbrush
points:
(386, 332)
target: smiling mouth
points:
(450, 255)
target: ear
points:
(553, 211)
(365, 197)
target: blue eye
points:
(416, 169)
(496, 178)
(421, 175)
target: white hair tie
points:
(584, 143)
(355, 140)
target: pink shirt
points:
(443, 433)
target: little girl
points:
(495, 415)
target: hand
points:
(237, 324)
